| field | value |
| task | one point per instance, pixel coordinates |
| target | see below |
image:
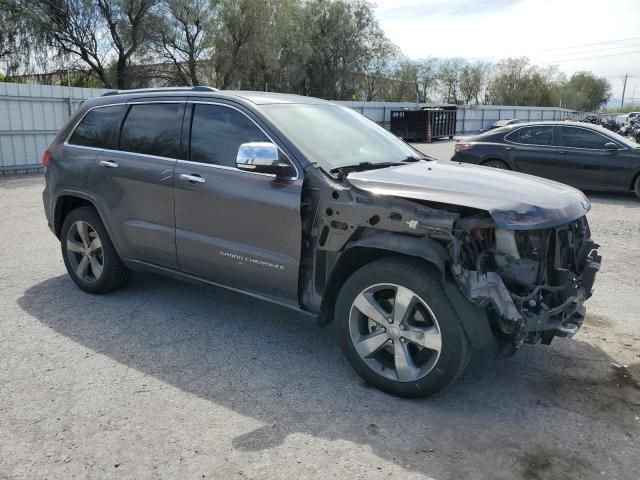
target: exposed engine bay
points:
(531, 282)
(534, 280)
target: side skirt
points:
(139, 266)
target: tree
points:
(426, 79)
(449, 74)
(474, 80)
(380, 55)
(240, 21)
(518, 83)
(93, 31)
(506, 84)
(585, 92)
(339, 32)
(185, 36)
(17, 39)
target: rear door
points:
(588, 164)
(135, 182)
(236, 228)
(533, 151)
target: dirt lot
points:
(168, 380)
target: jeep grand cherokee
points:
(310, 205)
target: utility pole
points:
(624, 87)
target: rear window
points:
(152, 129)
(98, 128)
(540, 135)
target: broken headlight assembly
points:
(534, 281)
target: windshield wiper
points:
(371, 165)
(365, 166)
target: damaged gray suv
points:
(312, 206)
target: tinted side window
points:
(532, 136)
(582, 138)
(98, 128)
(152, 129)
(217, 132)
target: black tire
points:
(410, 274)
(113, 273)
(636, 186)
(496, 163)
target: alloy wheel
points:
(395, 332)
(84, 250)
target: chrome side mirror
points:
(611, 146)
(261, 157)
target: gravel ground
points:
(167, 380)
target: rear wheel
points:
(495, 163)
(88, 253)
(398, 330)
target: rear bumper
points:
(47, 203)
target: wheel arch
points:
(361, 252)
(65, 204)
(425, 250)
(67, 201)
(508, 163)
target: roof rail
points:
(199, 88)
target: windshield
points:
(336, 137)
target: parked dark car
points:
(585, 156)
(312, 206)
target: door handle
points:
(108, 163)
(192, 178)
(508, 148)
(562, 152)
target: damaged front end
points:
(528, 269)
(534, 281)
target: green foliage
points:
(585, 92)
(332, 49)
(516, 82)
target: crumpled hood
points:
(514, 200)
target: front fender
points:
(474, 319)
(422, 247)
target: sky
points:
(593, 35)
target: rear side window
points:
(542, 135)
(98, 128)
(582, 138)
(152, 129)
(217, 133)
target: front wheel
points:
(398, 329)
(636, 186)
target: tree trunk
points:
(193, 73)
(121, 73)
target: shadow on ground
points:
(534, 412)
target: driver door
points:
(236, 228)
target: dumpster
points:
(425, 124)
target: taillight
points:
(460, 146)
(46, 158)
